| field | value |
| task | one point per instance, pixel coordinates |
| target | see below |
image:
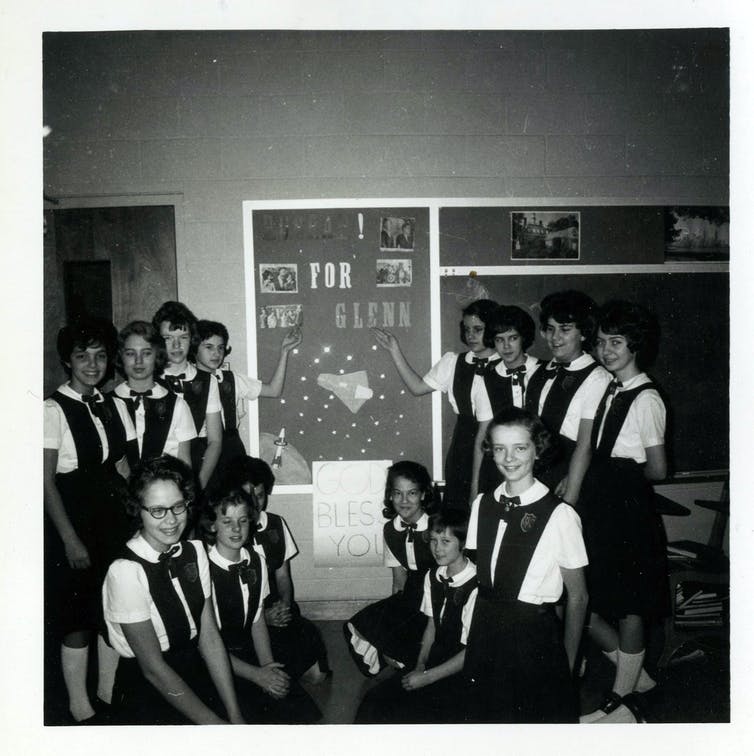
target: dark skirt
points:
(391, 627)
(137, 702)
(258, 707)
(298, 645)
(459, 463)
(625, 541)
(516, 665)
(443, 702)
(95, 504)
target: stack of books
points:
(701, 604)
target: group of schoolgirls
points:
(555, 461)
(124, 471)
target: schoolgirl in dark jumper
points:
(162, 419)
(236, 388)
(566, 391)
(434, 691)
(296, 641)
(624, 534)
(513, 332)
(461, 377)
(86, 437)
(239, 587)
(177, 326)
(389, 632)
(527, 545)
(158, 610)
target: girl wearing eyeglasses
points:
(174, 668)
(389, 632)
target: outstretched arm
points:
(413, 381)
(290, 341)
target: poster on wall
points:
(347, 520)
(324, 270)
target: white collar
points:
(634, 382)
(462, 577)
(138, 544)
(582, 361)
(534, 493)
(529, 363)
(421, 524)
(216, 557)
(493, 359)
(190, 371)
(262, 521)
(67, 390)
(123, 390)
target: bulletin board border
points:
(433, 205)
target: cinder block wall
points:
(222, 117)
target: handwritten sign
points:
(348, 498)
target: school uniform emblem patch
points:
(527, 522)
(191, 572)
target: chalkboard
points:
(336, 271)
(692, 368)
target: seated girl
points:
(239, 588)
(435, 691)
(174, 668)
(295, 640)
(389, 632)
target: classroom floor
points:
(693, 690)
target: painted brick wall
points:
(222, 117)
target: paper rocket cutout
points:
(352, 388)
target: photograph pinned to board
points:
(278, 279)
(697, 233)
(397, 233)
(393, 273)
(281, 316)
(545, 235)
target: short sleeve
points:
(426, 605)
(246, 387)
(126, 594)
(389, 559)
(213, 400)
(570, 549)
(467, 614)
(591, 392)
(53, 424)
(183, 421)
(473, 524)
(290, 545)
(440, 375)
(481, 401)
(650, 418)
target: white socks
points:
(74, 662)
(107, 664)
(644, 683)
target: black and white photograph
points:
(545, 235)
(533, 502)
(393, 272)
(278, 279)
(397, 233)
(281, 316)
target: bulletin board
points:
(336, 271)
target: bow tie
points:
(137, 396)
(243, 570)
(558, 368)
(411, 527)
(175, 382)
(516, 371)
(166, 557)
(613, 387)
(481, 364)
(510, 502)
(94, 402)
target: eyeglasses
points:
(159, 512)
